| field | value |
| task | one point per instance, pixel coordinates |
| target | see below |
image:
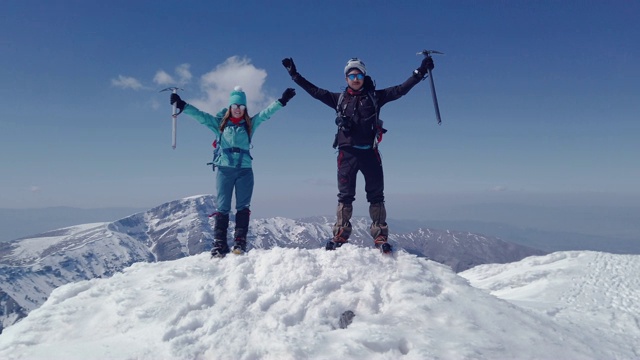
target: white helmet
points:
(355, 63)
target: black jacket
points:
(357, 108)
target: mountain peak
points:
(31, 268)
(286, 304)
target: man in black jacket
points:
(359, 131)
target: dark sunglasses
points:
(236, 106)
(354, 76)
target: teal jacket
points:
(235, 142)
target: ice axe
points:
(427, 53)
(174, 116)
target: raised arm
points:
(328, 98)
(395, 92)
(206, 119)
(265, 114)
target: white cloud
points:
(184, 73)
(215, 85)
(35, 189)
(162, 78)
(235, 71)
(183, 76)
(127, 82)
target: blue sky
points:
(539, 99)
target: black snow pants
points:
(350, 161)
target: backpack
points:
(379, 130)
(217, 151)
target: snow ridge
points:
(286, 303)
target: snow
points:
(32, 248)
(598, 293)
(286, 304)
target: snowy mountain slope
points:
(285, 304)
(460, 250)
(20, 223)
(600, 289)
(31, 268)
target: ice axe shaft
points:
(428, 53)
(435, 98)
(174, 117)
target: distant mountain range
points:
(30, 268)
(18, 223)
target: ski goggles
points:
(355, 76)
(236, 107)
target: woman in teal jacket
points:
(233, 128)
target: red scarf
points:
(236, 121)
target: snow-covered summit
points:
(285, 304)
(30, 268)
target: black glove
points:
(175, 98)
(290, 66)
(368, 84)
(287, 95)
(425, 66)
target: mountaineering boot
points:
(342, 227)
(333, 244)
(384, 248)
(380, 235)
(239, 246)
(220, 246)
(380, 241)
(240, 233)
(379, 228)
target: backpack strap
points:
(230, 151)
(377, 127)
(339, 107)
(218, 151)
(379, 130)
